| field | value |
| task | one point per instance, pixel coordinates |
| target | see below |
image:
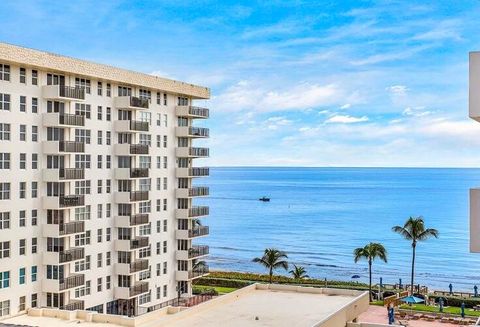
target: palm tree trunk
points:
(413, 266)
(271, 274)
(370, 281)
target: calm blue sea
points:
(319, 215)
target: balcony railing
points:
(72, 92)
(71, 255)
(198, 231)
(198, 191)
(141, 126)
(69, 119)
(198, 211)
(197, 251)
(198, 272)
(138, 265)
(139, 172)
(199, 171)
(199, 152)
(72, 227)
(71, 200)
(73, 305)
(138, 149)
(70, 146)
(139, 219)
(139, 196)
(139, 288)
(199, 131)
(71, 173)
(198, 111)
(72, 281)
(139, 242)
(139, 102)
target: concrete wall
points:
(474, 86)
(475, 220)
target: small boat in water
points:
(264, 199)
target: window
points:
(34, 190)
(99, 113)
(109, 90)
(4, 160)
(34, 105)
(165, 183)
(108, 259)
(4, 307)
(22, 218)
(108, 210)
(21, 275)
(159, 248)
(23, 75)
(4, 101)
(82, 82)
(34, 217)
(22, 244)
(109, 161)
(164, 246)
(165, 120)
(109, 114)
(99, 187)
(4, 279)
(34, 273)
(23, 132)
(82, 161)
(34, 245)
(4, 220)
(23, 161)
(82, 213)
(4, 132)
(4, 191)
(165, 161)
(4, 72)
(99, 137)
(4, 249)
(107, 282)
(82, 109)
(164, 99)
(108, 138)
(164, 204)
(34, 160)
(99, 88)
(108, 186)
(159, 141)
(164, 290)
(34, 77)
(164, 267)
(84, 290)
(82, 239)
(165, 141)
(144, 298)
(99, 161)
(34, 133)
(108, 234)
(124, 91)
(82, 135)
(23, 103)
(99, 260)
(82, 187)
(99, 282)
(22, 190)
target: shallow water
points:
(319, 215)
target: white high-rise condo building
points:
(474, 113)
(96, 185)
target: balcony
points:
(131, 103)
(59, 230)
(131, 149)
(64, 201)
(132, 244)
(195, 252)
(195, 191)
(132, 220)
(191, 152)
(198, 231)
(131, 268)
(63, 93)
(56, 286)
(133, 196)
(191, 274)
(63, 174)
(73, 305)
(192, 112)
(132, 291)
(55, 119)
(131, 126)
(59, 147)
(196, 211)
(192, 172)
(193, 132)
(55, 258)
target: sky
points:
(294, 83)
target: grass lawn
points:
(219, 289)
(451, 310)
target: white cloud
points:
(346, 119)
(416, 111)
(397, 89)
(346, 106)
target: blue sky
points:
(294, 83)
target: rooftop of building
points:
(255, 305)
(62, 64)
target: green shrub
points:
(204, 291)
(457, 301)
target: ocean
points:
(320, 215)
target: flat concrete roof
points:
(272, 307)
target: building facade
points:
(474, 113)
(96, 185)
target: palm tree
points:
(273, 259)
(414, 230)
(370, 252)
(298, 272)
